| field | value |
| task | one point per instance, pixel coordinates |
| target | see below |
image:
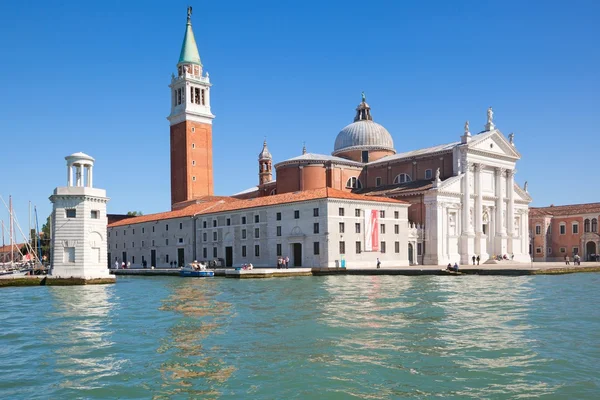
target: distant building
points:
(462, 197)
(559, 231)
(6, 253)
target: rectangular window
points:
(95, 214)
(166, 242)
(152, 242)
(382, 228)
(428, 174)
(71, 213)
(382, 214)
(215, 252)
(341, 211)
(563, 229)
(204, 238)
(243, 234)
(166, 227)
(538, 250)
(397, 247)
(358, 246)
(167, 258)
(396, 214)
(575, 250)
(342, 247)
(549, 250)
(228, 222)
(257, 250)
(256, 233)
(143, 230)
(204, 224)
(256, 219)
(296, 214)
(538, 229)
(365, 156)
(243, 251)
(205, 253)
(279, 249)
(142, 243)
(180, 240)
(181, 225)
(316, 227)
(132, 244)
(215, 236)
(342, 228)
(315, 212)
(278, 216)
(316, 248)
(575, 229)
(357, 227)
(396, 229)
(214, 223)
(419, 249)
(69, 255)
(152, 229)
(133, 231)
(563, 250)
(378, 181)
(383, 247)
(243, 220)
(357, 212)
(124, 233)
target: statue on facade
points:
(511, 138)
(437, 174)
(525, 187)
(490, 116)
(467, 128)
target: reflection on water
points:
(192, 368)
(81, 336)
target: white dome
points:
(363, 135)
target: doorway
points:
(410, 254)
(153, 258)
(229, 256)
(181, 257)
(590, 248)
(125, 257)
(109, 258)
(297, 252)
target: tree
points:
(134, 213)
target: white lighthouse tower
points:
(79, 225)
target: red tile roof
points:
(216, 206)
(571, 209)
(6, 249)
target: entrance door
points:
(109, 260)
(297, 248)
(125, 257)
(590, 248)
(410, 254)
(229, 256)
(181, 257)
(153, 258)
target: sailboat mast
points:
(10, 229)
(3, 258)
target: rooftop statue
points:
(364, 98)
(511, 138)
(490, 115)
(467, 127)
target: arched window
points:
(594, 225)
(402, 178)
(354, 183)
(586, 225)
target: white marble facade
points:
(479, 211)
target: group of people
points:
(283, 262)
(123, 265)
(576, 260)
(454, 267)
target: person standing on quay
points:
(473, 258)
(567, 260)
(287, 262)
(378, 263)
(478, 258)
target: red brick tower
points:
(191, 125)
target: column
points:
(466, 201)
(500, 237)
(90, 176)
(510, 212)
(78, 176)
(69, 174)
(478, 200)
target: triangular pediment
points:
(493, 143)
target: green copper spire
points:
(189, 50)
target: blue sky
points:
(93, 77)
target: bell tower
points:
(265, 168)
(191, 124)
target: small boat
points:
(196, 270)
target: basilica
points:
(364, 201)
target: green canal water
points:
(350, 337)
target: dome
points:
(363, 133)
(265, 154)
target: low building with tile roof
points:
(565, 231)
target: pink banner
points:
(371, 230)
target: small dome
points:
(265, 154)
(363, 133)
(79, 156)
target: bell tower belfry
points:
(265, 165)
(191, 124)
